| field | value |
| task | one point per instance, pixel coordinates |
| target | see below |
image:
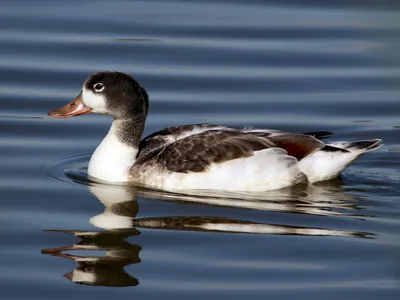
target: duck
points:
(200, 156)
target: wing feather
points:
(196, 152)
(193, 148)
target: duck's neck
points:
(117, 152)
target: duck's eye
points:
(98, 87)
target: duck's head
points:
(109, 93)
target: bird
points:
(200, 156)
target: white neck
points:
(112, 159)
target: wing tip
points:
(319, 134)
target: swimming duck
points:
(200, 156)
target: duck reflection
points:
(119, 222)
(120, 209)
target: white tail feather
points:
(328, 163)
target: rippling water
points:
(317, 65)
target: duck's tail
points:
(359, 146)
(334, 158)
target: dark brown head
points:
(110, 93)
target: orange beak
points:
(74, 108)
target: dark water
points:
(316, 65)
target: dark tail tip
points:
(366, 145)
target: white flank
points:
(112, 159)
(268, 169)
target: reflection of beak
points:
(68, 275)
(74, 108)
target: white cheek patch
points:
(96, 101)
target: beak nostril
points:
(74, 108)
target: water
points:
(331, 65)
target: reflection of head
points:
(105, 270)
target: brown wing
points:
(196, 152)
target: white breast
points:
(112, 159)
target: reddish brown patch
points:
(298, 145)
